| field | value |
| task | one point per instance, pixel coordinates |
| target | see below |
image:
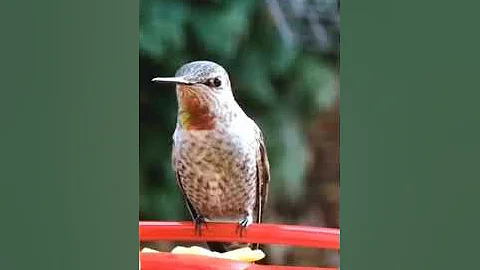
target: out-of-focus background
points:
(282, 57)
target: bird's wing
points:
(263, 175)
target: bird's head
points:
(204, 94)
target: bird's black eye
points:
(217, 82)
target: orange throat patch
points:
(193, 114)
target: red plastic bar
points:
(256, 233)
(167, 261)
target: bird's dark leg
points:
(244, 223)
(199, 221)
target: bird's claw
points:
(243, 224)
(199, 222)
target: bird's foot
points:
(199, 221)
(243, 224)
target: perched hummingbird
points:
(219, 155)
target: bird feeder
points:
(302, 236)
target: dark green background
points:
(69, 135)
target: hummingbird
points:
(218, 154)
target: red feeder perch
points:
(257, 233)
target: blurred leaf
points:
(220, 30)
(154, 147)
(292, 163)
(161, 26)
(265, 37)
(281, 57)
(312, 87)
(253, 78)
(287, 151)
(161, 205)
(327, 94)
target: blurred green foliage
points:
(280, 87)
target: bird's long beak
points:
(171, 80)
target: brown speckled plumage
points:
(217, 170)
(218, 154)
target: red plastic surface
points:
(256, 233)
